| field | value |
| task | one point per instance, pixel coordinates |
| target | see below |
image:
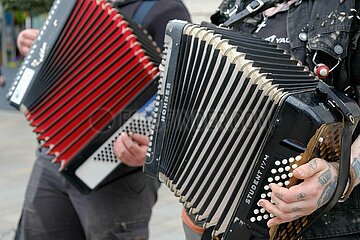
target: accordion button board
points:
(91, 74)
(236, 113)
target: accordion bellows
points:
(234, 114)
(87, 75)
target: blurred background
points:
(17, 142)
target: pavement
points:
(17, 154)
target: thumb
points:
(140, 139)
(310, 169)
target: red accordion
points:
(83, 83)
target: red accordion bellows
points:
(95, 68)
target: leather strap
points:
(255, 7)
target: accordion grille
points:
(326, 145)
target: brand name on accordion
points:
(165, 102)
(256, 181)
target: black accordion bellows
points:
(86, 80)
(235, 113)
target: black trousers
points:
(55, 210)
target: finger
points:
(24, 50)
(131, 160)
(31, 34)
(310, 169)
(140, 139)
(270, 208)
(279, 216)
(119, 148)
(300, 208)
(26, 42)
(130, 145)
(277, 221)
(292, 195)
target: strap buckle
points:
(255, 6)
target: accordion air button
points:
(321, 140)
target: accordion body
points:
(234, 114)
(90, 75)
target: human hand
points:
(26, 39)
(2, 81)
(320, 180)
(131, 149)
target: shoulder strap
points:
(143, 10)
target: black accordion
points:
(91, 74)
(235, 113)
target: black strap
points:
(344, 164)
(323, 88)
(120, 4)
(255, 7)
(143, 10)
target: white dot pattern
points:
(135, 126)
(281, 174)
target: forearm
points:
(355, 161)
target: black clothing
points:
(332, 30)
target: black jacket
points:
(332, 29)
(155, 21)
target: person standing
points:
(318, 33)
(55, 210)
